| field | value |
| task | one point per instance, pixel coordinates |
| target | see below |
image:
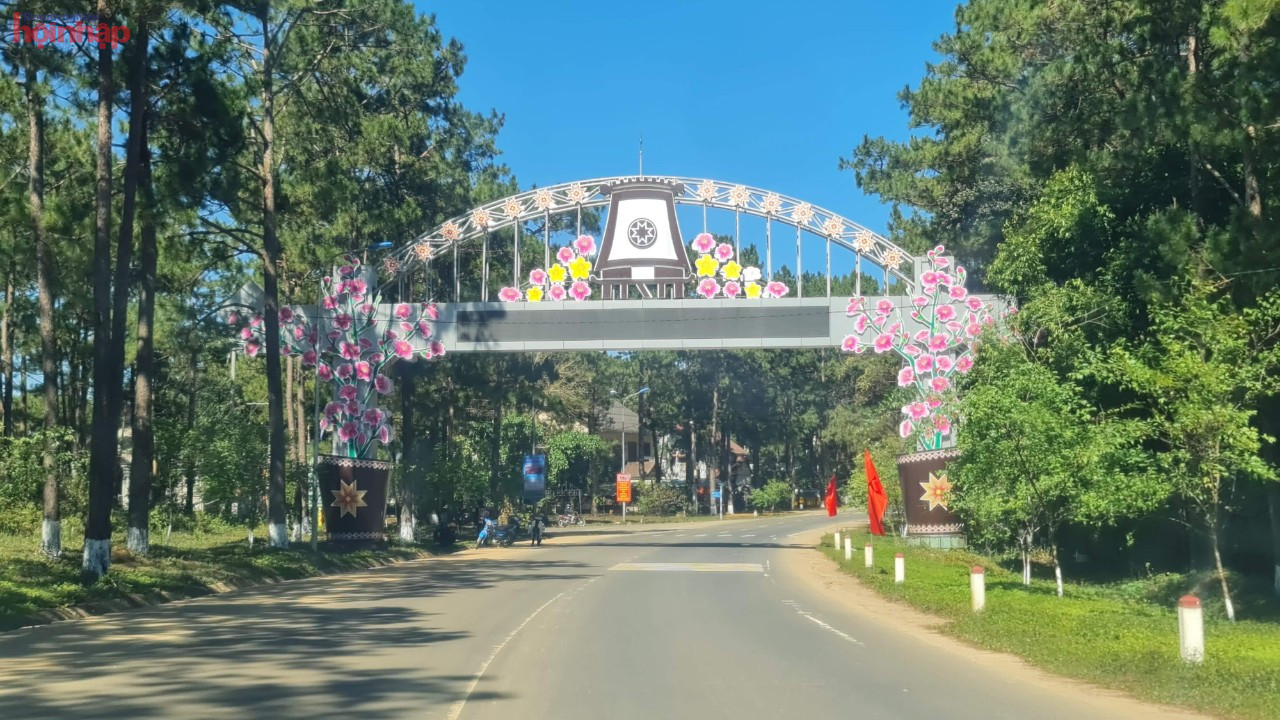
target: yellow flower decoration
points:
(580, 268)
(534, 294)
(753, 289)
(732, 270)
(557, 273)
(707, 266)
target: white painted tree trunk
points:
(297, 532)
(408, 528)
(277, 535)
(97, 556)
(51, 540)
(138, 540)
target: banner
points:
(535, 476)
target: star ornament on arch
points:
(348, 498)
(642, 233)
(936, 491)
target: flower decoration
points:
(576, 193)
(543, 200)
(707, 191)
(704, 243)
(480, 218)
(833, 227)
(350, 344)
(511, 208)
(771, 204)
(717, 260)
(573, 266)
(863, 241)
(585, 245)
(738, 196)
(935, 333)
(450, 231)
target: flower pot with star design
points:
(926, 489)
(354, 492)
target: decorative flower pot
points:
(354, 495)
(925, 490)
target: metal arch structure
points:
(541, 203)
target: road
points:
(700, 620)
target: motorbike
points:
(445, 535)
(487, 533)
(509, 533)
(570, 519)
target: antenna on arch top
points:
(641, 154)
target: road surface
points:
(702, 620)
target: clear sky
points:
(769, 94)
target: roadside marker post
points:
(978, 587)
(1191, 629)
(899, 569)
(867, 556)
(836, 544)
(848, 548)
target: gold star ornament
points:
(936, 490)
(348, 498)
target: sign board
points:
(624, 488)
(715, 495)
(535, 476)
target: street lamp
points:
(623, 468)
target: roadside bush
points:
(659, 499)
(773, 495)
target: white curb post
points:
(867, 555)
(1191, 629)
(848, 548)
(978, 587)
(836, 544)
(899, 569)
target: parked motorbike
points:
(488, 533)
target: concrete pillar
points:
(899, 569)
(867, 553)
(836, 544)
(978, 587)
(848, 548)
(1191, 629)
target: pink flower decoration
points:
(855, 304)
(704, 242)
(884, 307)
(324, 372)
(424, 328)
(708, 288)
(941, 262)
(585, 244)
(938, 343)
(329, 303)
(912, 350)
(347, 392)
(377, 358)
(246, 333)
(776, 289)
(973, 330)
(342, 321)
(333, 408)
(368, 309)
(347, 432)
(537, 276)
(382, 384)
(365, 343)
(580, 290)
(349, 350)
(565, 255)
(850, 343)
(860, 323)
(906, 377)
(286, 314)
(958, 292)
(943, 363)
(940, 384)
(345, 271)
(352, 408)
(362, 438)
(358, 286)
(403, 311)
(974, 303)
(372, 416)
(233, 319)
(298, 332)
(918, 411)
(988, 320)
(309, 358)
(946, 312)
(251, 349)
(883, 342)
(919, 301)
(880, 321)
(343, 371)
(924, 363)
(405, 327)
(929, 278)
(921, 335)
(732, 289)
(934, 402)
(364, 371)
(286, 350)
(942, 423)
(384, 434)
(906, 428)
(255, 321)
(556, 292)
(402, 349)
(724, 251)
(432, 311)
(509, 294)
(945, 279)
(954, 326)
(437, 348)
(964, 364)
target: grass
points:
(190, 563)
(1112, 635)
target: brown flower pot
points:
(353, 493)
(923, 476)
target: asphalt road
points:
(701, 620)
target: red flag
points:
(831, 497)
(877, 500)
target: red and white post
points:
(867, 555)
(836, 543)
(899, 569)
(848, 548)
(978, 587)
(1191, 629)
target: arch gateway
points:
(644, 285)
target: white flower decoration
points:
(751, 274)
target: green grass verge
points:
(189, 564)
(1110, 635)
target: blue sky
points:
(769, 94)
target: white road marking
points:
(749, 535)
(690, 567)
(701, 535)
(457, 707)
(795, 606)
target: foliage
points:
(575, 461)
(658, 499)
(772, 495)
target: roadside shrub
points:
(659, 499)
(773, 495)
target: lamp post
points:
(313, 475)
(622, 470)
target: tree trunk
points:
(140, 476)
(271, 290)
(1218, 567)
(1273, 500)
(51, 527)
(714, 474)
(1252, 193)
(291, 437)
(691, 467)
(409, 466)
(495, 452)
(1024, 544)
(189, 473)
(1057, 566)
(6, 351)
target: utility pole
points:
(693, 465)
